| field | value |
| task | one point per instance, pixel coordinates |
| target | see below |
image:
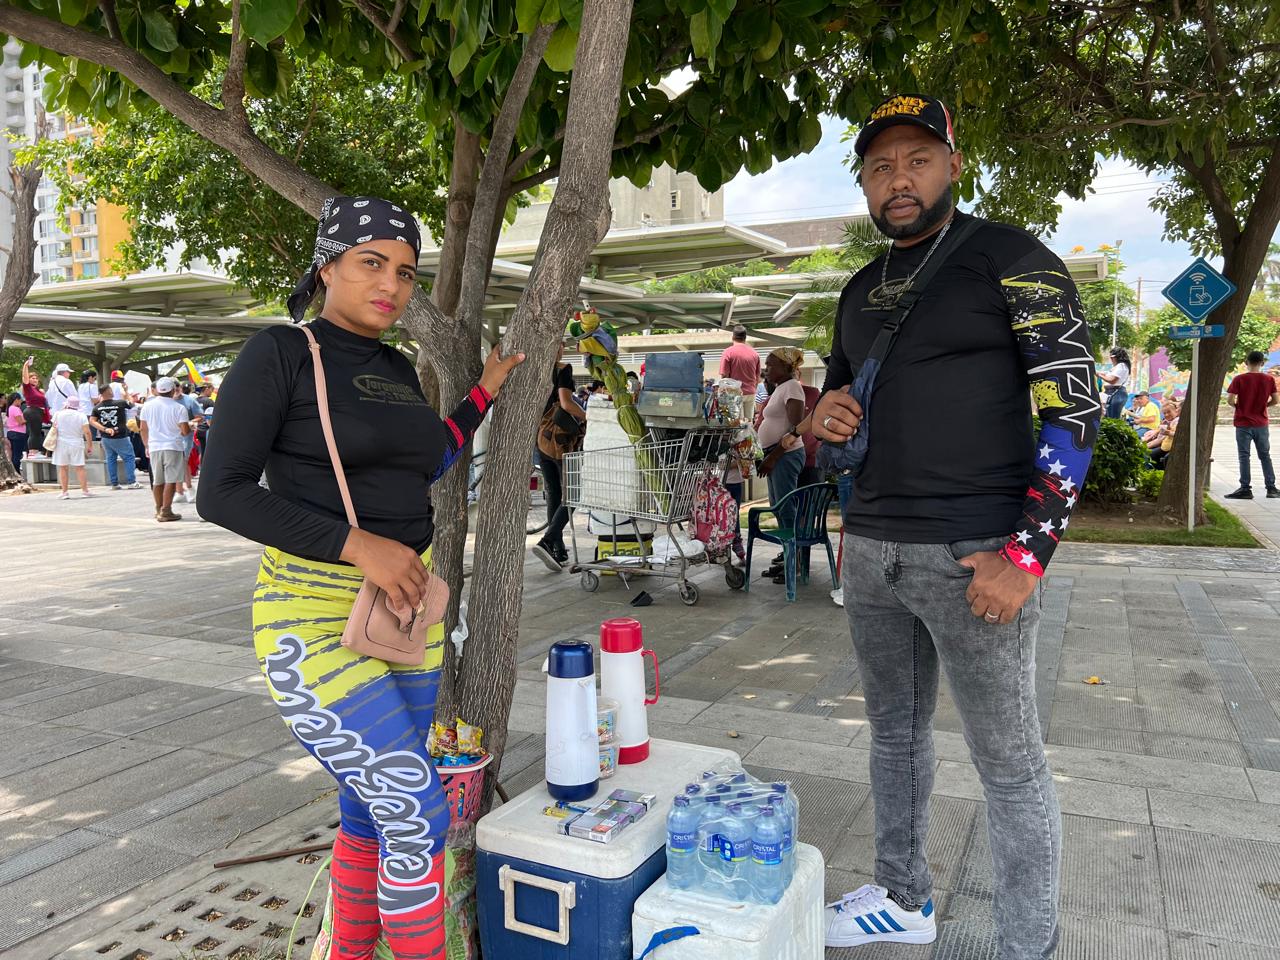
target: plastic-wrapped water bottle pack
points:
(733, 836)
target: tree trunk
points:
(19, 273)
(577, 219)
(1244, 256)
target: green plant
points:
(1149, 484)
(1119, 458)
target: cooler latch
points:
(566, 895)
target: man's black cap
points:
(914, 109)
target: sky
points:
(819, 184)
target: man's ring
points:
(991, 617)
(826, 423)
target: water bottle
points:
(709, 840)
(682, 845)
(767, 878)
(784, 802)
(735, 851)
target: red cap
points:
(622, 635)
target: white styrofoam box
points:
(790, 929)
(611, 479)
(606, 526)
(521, 830)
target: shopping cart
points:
(653, 482)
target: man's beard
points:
(929, 217)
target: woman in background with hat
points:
(365, 720)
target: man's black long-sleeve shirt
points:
(392, 444)
(953, 456)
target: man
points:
(204, 397)
(165, 424)
(946, 541)
(740, 362)
(1146, 415)
(117, 385)
(1251, 394)
(110, 417)
(60, 389)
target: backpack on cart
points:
(715, 516)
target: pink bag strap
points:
(326, 424)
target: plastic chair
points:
(812, 503)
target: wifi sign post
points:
(1197, 292)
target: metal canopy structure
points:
(107, 321)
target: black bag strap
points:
(888, 334)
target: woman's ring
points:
(991, 617)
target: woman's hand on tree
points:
(497, 369)
(395, 568)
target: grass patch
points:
(1142, 523)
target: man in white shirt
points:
(60, 389)
(164, 423)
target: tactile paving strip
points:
(243, 913)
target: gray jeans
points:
(908, 616)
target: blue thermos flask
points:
(573, 747)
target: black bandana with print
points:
(344, 223)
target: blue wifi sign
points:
(1199, 290)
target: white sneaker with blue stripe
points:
(868, 915)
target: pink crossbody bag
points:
(375, 629)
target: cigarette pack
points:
(632, 796)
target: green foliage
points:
(178, 190)
(1259, 328)
(711, 280)
(862, 243)
(1149, 484)
(1119, 459)
(1041, 89)
(1110, 304)
(755, 94)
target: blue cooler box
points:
(543, 896)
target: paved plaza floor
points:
(139, 746)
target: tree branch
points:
(108, 8)
(396, 14)
(219, 128)
(233, 81)
(373, 13)
(518, 186)
(1216, 53)
(493, 175)
(1220, 207)
(19, 271)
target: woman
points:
(15, 429)
(780, 430)
(37, 413)
(74, 442)
(388, 865)
(550, 549)
(1116, 383)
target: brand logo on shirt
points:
(384, 391)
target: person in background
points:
(117, 385)
(60, 388)
(15, 428)
(781, 426)
(633, 383)
(741, 362)
(74, 442)
(195, 413)
(1252, 393)
(1116, 383)
(164, 423)
(37, 414)
(1145, 413)
(550, 548)
(110, 418)
(88, 390)
(204, 397)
